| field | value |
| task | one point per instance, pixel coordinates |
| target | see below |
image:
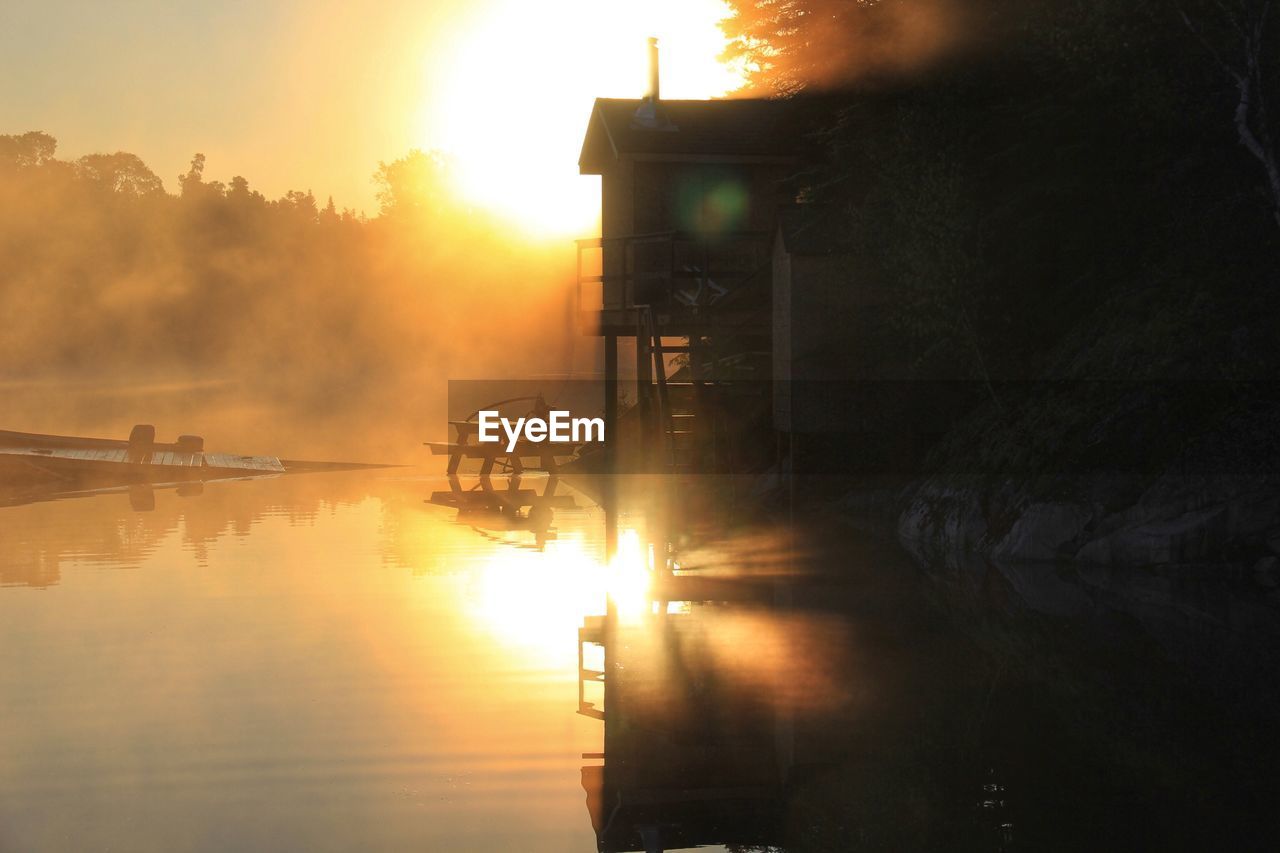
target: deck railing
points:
(672, 271)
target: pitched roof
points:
(743, 129)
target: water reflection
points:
(701, 673)
(494, 510)
(320, 663)
(337, 663)
(124, 525)
(702, 701)
(802, 686)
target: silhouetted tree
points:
(798, 44)
(121, 173)
(301, 204)
(27, 150)
(111, 274)
(1032, 161)
(192, 181)
(1236, 36)
(413, 186)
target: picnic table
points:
(468, 446)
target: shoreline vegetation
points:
(1075, 201)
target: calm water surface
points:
(330, 662)
(306, 663)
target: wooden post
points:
(610, 445)
(644, 379)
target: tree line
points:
(105, 274)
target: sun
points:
(509, 104)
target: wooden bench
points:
(463, 448)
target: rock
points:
(1045, 589)
(1252, 515)
(1186, 538)
(942, 521)
(1043, 531)
(1178, 519)
(1273, 541)
(1266, 572)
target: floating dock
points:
(33, 457)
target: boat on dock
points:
(37, 458)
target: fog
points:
(284, 326)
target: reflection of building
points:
(511, 509)
(697, 750)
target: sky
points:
(312, 95)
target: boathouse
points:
(748, 324)
(679, 282)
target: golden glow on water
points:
(512, 100)
(330, 662)
(630, 576)
(337, 664)
(326, 659)
(533, 602)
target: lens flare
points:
(514, 97)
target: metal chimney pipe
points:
(653, 69)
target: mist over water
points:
(283, 327)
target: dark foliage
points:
(1063, 190)
(1041, 161)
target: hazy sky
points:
(292, 94)
(311, 94)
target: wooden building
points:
(750, 319)
(680, 279)
(846, 396)
(832, 333)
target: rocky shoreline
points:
(1102, 520)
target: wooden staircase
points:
(674, 414)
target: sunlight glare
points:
(630, 577)
(511, 102)
(535, 601)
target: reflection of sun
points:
(512, 100)
(536, 601)
(629, 576)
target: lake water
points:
(303, 663)
(330, 662)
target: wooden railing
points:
(671, 270)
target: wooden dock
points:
(34, 456)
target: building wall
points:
(831, 339)
(816, 317)
(782, 326)
(617, 218)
